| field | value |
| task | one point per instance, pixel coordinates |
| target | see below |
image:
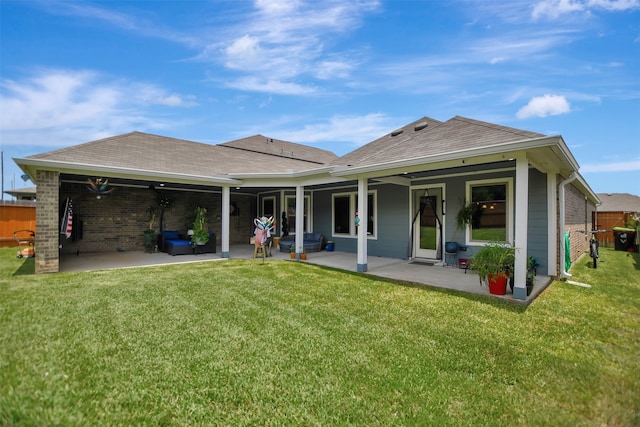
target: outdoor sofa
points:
(313, 242)
(174, 243)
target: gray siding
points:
(393, 222)
(393, 226)
(537, 227)
(322, 213)
(393, 237)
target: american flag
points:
(67, 220)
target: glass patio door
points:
(427, 205)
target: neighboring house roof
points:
(619, 202)
(27, 193)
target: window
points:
(290, 204)
(269, 207)
(491, 218)
(342, 214)
(345, 206)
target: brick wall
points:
(116, 222)
(47, 222)
(578, 214)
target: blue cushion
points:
(170, 235)
(178, 243)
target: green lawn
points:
(289, 343)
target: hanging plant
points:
(465, 216)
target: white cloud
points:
(632, 165)
(357, 130)
(258, 84)
(243, 53)
(553, 9)
(332, 69)
(288, 40)
(277, 7)
(51, 99)
(53, 105)
(542, 106)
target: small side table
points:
(450, 259)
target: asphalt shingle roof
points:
(619, 202)
(142, 151)
(279, 148)
(456, 134)
(260, 154)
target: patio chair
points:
(172, 243)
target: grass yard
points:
(288, 343)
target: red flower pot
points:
(497, 284)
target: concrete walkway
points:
(423, 273)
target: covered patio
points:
(438, 276)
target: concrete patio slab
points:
(446, 277)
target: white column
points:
(224, 220)
(552, 223)
(522, 223)
(363, 199)
(299, 219)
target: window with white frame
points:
(290, 207)
(345, 206)
(492, 201)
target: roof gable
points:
(280, 148)
(412, 141)
(385, 146)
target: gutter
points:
(78, 168)
(287, 174)
(563, 269)
(531, 143)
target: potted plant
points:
(532, 270)
(285, 224)
(303, 255)
(493, 263)
(292, 251)
(464, 217)
(200, 234)
(149, 233)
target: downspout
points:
(563, 269)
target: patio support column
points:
(299, 220)
(521, 227)
(363, 199)
(47, 222)
(224, 221)
(552, 224)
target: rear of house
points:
(397, 196)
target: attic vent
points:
(420, 126)
(396, 132)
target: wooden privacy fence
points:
(15, 216)
(606, 221)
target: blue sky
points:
(333, 74)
